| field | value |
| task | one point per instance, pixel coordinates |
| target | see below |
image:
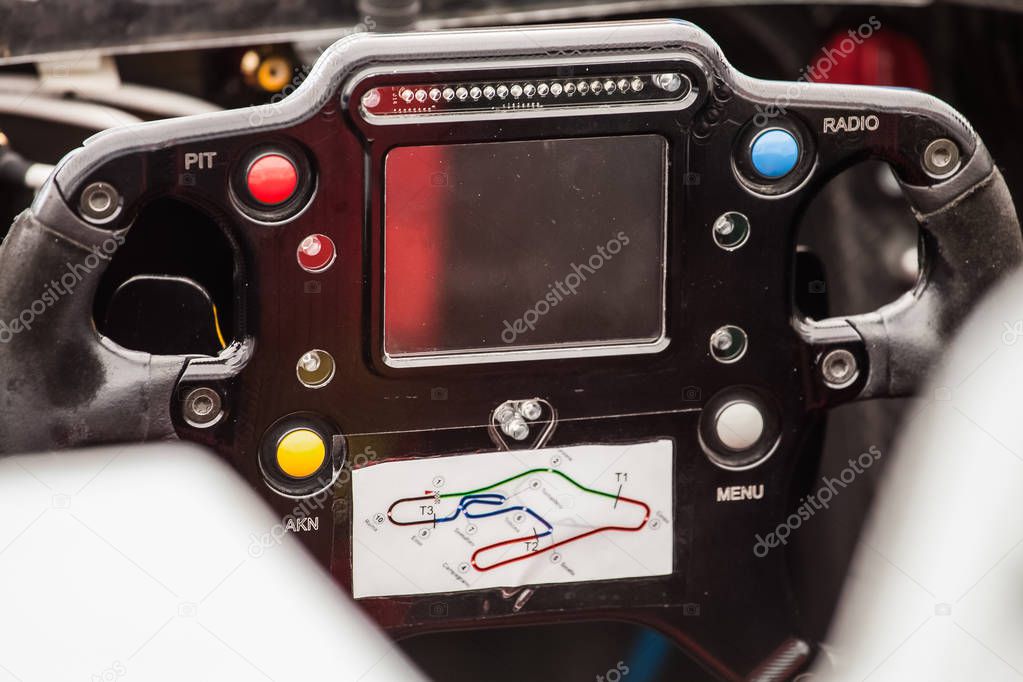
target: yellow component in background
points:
(274, 73)
(300, 453)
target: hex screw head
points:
(99, 202)
(941, 158)
(839, 368)
(202, 407)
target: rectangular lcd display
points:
(508, 246)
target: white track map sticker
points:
(506, 519)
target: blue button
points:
(774, 153)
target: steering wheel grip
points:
(63, 383)
(938, 560)
(969, 238)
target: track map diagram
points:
(507, 519)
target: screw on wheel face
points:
(672, 82)
(839, 368)
(504, 414)
(941, 158)
(202, 408)
(516, 428)
(531, 410)
(99, 202)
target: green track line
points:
(527, 473)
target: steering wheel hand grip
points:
(64, 384)
(969, 238)
(940, 516)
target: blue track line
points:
(494, 500)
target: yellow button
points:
(300, 453)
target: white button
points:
(739, 425)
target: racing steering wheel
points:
(712, 401)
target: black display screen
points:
(510, 246)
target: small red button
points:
(316, 253)
(272, 179)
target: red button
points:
(316, 253)
(272, 179)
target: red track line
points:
(407, 523)
(503, 543)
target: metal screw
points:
(515, 428)
(672, 82)
(531, 410)
(202, 408)
(839, 368)
(371, 99)
(99, 203)
(504, 414)
(941, 158)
